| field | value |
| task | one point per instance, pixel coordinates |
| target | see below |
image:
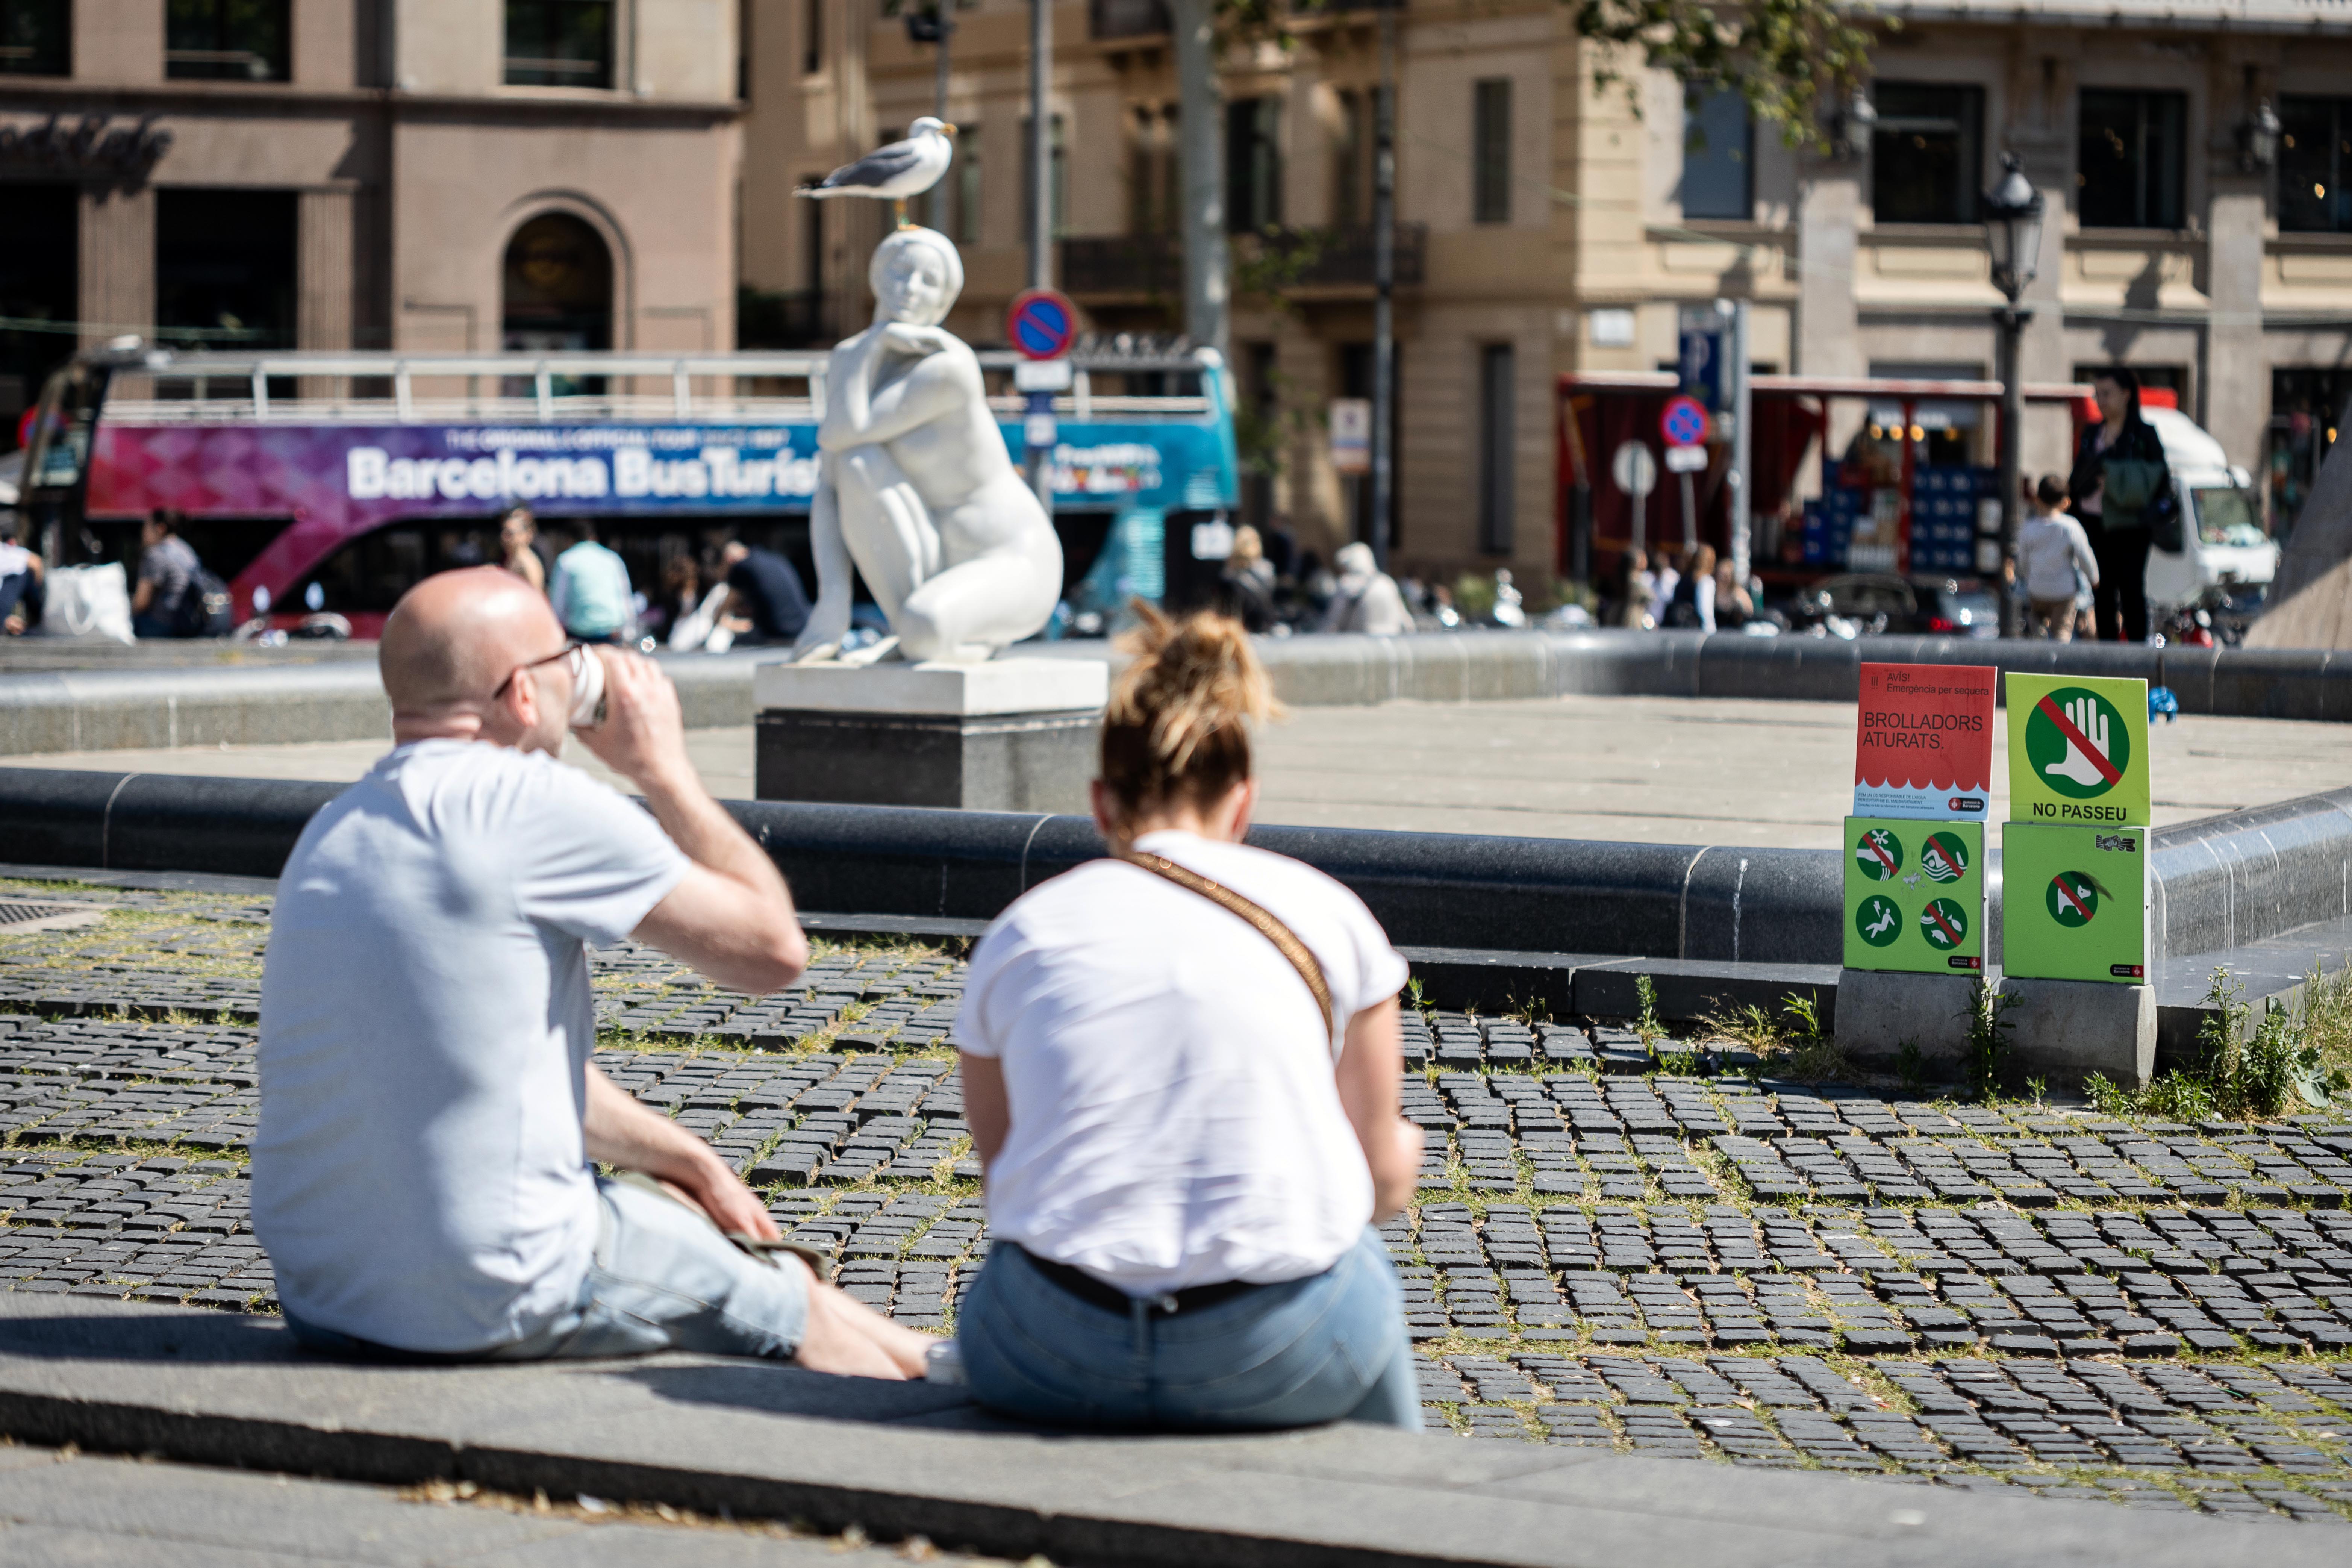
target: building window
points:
(1490, 152)
(224, 266)
(1155, 179)
(1497, 445)
(2314, 154)
(2130, 158)
(36, 37)
(1356, 374)
(1056, 171)
(39, 283)
(966, 177)
(1252, 164)
(226, 40)
(1926, 154)
(1718, 164)
(559, 43)
(811, 36)
(1351, 159)
(558, 294)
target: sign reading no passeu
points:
(2078, 749)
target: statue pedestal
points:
(1012, 734)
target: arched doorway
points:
(559, 287)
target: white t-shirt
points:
(1175, 1120)
(419, 1178)
(2050, 548)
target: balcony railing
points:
(1272, 261)
(1123, 263)
(1281, 259)
(1127, 18)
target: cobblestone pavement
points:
(1731, 1269)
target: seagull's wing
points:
(882, 165)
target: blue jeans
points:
(663, 1278)
(1331, 1347)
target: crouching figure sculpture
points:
(918, 488)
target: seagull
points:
(900, 169)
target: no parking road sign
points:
(1683, 423)
(1041, 323)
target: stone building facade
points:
(1553, 224)
(422, 175)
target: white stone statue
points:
(916, 486)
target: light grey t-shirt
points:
(419, 1178)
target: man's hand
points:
(732, 1205)
(628, 1136)
(643, 737)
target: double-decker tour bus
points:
(334, 482)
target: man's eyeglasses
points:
(577, 652)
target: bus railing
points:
(232, 387)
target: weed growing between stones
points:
(1986, 1056)
(2246, 1073)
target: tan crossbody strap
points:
(1284, 938)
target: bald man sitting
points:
(428, 1107)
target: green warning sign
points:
(1944, 925)
(1921, 911)
(1878, 921)
(1945, 858)
(1879, 853)
(2075, 905)
(2072, 898)
(2077, 750)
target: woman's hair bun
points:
(1179, 715)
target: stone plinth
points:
(1012, 734)
(1881, 1011)
(2065, 1030)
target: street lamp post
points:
(2013, 230)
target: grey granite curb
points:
(105, 709)
(765, 1441)
(244, 705)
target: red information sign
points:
(1923, 741)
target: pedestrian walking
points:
(2053, 561)
(1693, 603)
(1181, 1070)
(518, 542)
(1245, 584)
(2118, 483)
(589, 590)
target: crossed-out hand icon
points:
(2091, 722)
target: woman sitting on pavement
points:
(1182, 1069)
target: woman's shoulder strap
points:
(1266, 923)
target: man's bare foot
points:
(908, 1349)
(849, 1339)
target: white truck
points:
(2223, 544)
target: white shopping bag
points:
(88, 602)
